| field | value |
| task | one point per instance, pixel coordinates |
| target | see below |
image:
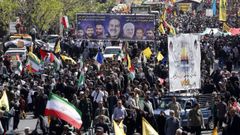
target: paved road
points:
(31, 123)
(28, 122)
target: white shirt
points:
(30, 94)
(131, 102)
(97, 96)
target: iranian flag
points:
(60, 108)
(33, 64)
(132, 72)
(65, 22)
(19, 65)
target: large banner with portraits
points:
(114, 27)
(184, 62)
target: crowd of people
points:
(110, 93)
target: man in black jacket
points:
(85, 105)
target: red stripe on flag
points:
(51, 57)
(64, 22)
(64, 117)
(30, 69)
(132, 69)
(43, 54)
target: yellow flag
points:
(31, 48)
(159, 56)
(226, 27)
(49, 120)
(175, 13)
(147, 53)
(172, 29)
(58, 47)
(147, 129)
(129, 62)
(173, 1)
(118, 129)
(223, 10)
(66, 58)
(29, 69)
(137, 2)
(164, 14)
(4, 101)
(161, 29)
(33, 57)
(215, 131)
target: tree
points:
(7, 14)
(41, 13)
(72, 7)
(46, 13)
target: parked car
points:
(111, 51)
(51, 41)
(41, 44)
(186, 105)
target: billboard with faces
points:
(115, 27)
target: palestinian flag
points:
(60, 108)
(125, 60)
(57, 63)
(43, 54)
(49, 58)
(131, 74)
(33, 63)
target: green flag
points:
(81, 80)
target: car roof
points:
(178, 97)
(54, 35)
(16, 50)
(20, 36)
(113, 47)
(37, 40)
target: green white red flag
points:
(62, 109)
(19, 65)
(34, 64)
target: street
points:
(28, 122)
(31, 123)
